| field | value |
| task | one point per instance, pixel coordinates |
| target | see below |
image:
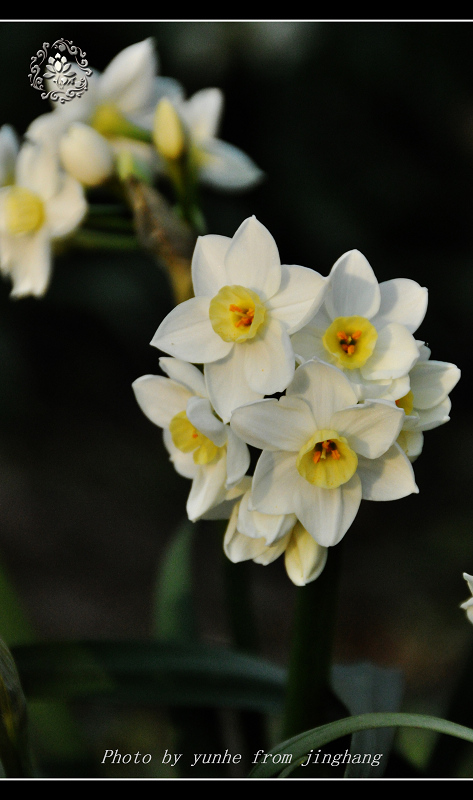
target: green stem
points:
(308, 693)
(100, 240)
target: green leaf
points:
(174, 606)
(299, 746)
(169, 674)
(367, 688)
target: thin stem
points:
(308, 691)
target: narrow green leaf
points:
(366, 688)
(299, 746)
(174, 607)
(169, 674)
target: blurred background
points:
(365, 133)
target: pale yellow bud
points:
(86, 155)
(168, 132)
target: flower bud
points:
(168, 132)
(86, 155)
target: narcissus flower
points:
(264, 537)
(427, 404)
(238, 325)
(200, 445)
(323, 452)
(118, 105)
(43, 204)
(468, 604)
(365, 328)
(215, 162)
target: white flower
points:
(427, 404)
(264, 537)
(366, 328)
(218, 163)
(246, 305)
(323, 452)
(200, 445)
(468, 604)
(44, 204)
(118, 104)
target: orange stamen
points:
(316, 456)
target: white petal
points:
(160, 398)
(325, 388)
(432, 381)
(403, 301)
(37, 169)
(300, 294)
(238, 458)
(269, 359)
(253, 261)
(208, 264)
(9, 146)
(225, 166)
(412, 443)
(307, 343)
(328, 513)
(65, 211)
(276, 483)
(86, 155)
(304, 558)
(284, 424)
(226, 386)
(182, 372)
(187, 333)
(433, 417)
(183, 463)
(387, 478)
(128, 80)
(394, 355)
(232, 497)
(202, 112)
(239, 547)
(30, 267)
(208, 488)
(371, 428)
(270, 527)
(199, 413)
(355, 290)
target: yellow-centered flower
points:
(188, 439)
(351, 340)
(326, 460)
(236, 313)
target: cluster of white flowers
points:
(356, 389)
(121, 119)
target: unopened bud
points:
(86, 155)
(168, 131)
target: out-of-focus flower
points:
(215, 162)
(323, 452)
(86, 155)
(264, 537)
(468, 604)
(9, 146)
(119, 105)
(200, 445)
(366, 328)
(43, 204)
(238, 325)
(427, 404)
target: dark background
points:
(365, 133)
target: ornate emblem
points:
(58, 69)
